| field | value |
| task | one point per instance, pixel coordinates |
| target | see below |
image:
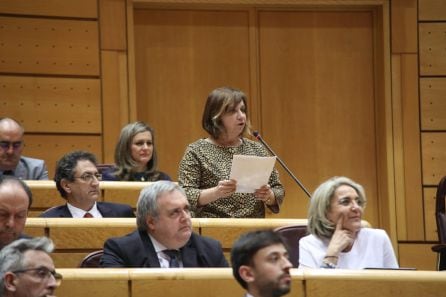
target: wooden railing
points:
(219, 282)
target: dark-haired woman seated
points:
(135, 156)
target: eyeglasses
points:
(43, 273)
(5, 145)
(89, 177)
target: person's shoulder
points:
(114, 205)
(54, 212)
(30, 160)
(372, 232)
(163, 176)
(255, 145)
(125, 239)
(198, 143)
(204, 239)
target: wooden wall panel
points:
(432, 48)
(434, 157)
(429, 214)
(113, 24)
(78, 8)
(315, 103)
(411, 147)
(49, 46)
(419, 256)
(114, 103)
(60, 105)
(181, 55)
(404, 26)
(433, 103)
(432, 10)
(52, 147)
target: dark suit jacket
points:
(107, 209)
(136, 250)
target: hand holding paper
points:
(251, 172)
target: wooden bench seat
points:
(219, 282)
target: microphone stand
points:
(258, 137)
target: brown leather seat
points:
(291, 235)
(440, 216)
(92, 260)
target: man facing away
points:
(15, 201)
(27, 270)
(164, 237)
(261, 265)
(11, 160)
(77, 180)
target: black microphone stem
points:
(257, 135)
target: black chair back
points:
(92, 260)
(291, 235)
(440, 216)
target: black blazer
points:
(107, 209)
(136, 250)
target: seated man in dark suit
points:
(15, 201)
(11, 160)
(164, 237)
(77, 180)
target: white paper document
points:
(251, 172)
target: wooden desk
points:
(75, 238)
(219, 282)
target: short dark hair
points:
(66, 165)
(4, 179)
(219, 102)
(248, 244)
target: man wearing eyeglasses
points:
(11, 160)
(77, 180)
(27, 270)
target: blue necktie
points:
(174, 258)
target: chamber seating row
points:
(219, 282)
(75, 238)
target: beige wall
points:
(337, 88)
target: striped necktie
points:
(174, 258)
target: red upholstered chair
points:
(440, 216)
(91, 260)
(291, 235)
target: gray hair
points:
(11, 256)
(148, 201)
(318, 223)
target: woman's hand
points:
(225, 188)
(265, 194)
(342, 239)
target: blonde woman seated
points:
(337, 239)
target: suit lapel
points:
(149, 251)
(65, 212)
(189, 255)
(105, 211)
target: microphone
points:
(256, 134)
